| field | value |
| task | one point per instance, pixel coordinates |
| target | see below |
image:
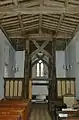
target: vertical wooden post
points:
(49, 69)
(30, 68)
(25, 85)
(53, 81)
(49, 87)
(30, 89)
(26, 71)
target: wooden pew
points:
(10, 117)
(15, 107)
(9, 112)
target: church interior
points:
(39, 59)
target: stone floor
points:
(39, 112)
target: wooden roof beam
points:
(13, 30)
(44, 36)
(25, 28)
(50, 18)
(30, 3)
(15, 2)
(49, 21)
(30, 21)
(59, 24)
(21, 24)
(75, 31)
(45, 10)
(50, 25)
(65, 30)
(16, 36)
(66, 4)
(40, 17)
(53, 3)
(48, 28)
(72, 19)
(71, 26)
(74, 2)
(5, 2)
(10, 23)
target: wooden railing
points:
(30, 89)
(13, 87)
(66, 86)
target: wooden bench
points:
(10, 117)
(15, 107)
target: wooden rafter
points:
(20, 16)
(40, 17)
(21, 25)
(59, 24)
(15, 2)
(66, 4)
(38, 37)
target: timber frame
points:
(23, 20)
(28, 23)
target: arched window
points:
(40, 69)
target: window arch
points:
(40, 69)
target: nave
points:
(40, 112)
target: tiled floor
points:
(39, 112)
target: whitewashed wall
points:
(20, 57)
(72, 58)
(60, 61)
(7, 55)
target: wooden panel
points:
(20, 88)
(59, 88)
(7, 89)
(13, 87)
(66, 86)
(63, 87)
(73, 87)
(30, 89)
